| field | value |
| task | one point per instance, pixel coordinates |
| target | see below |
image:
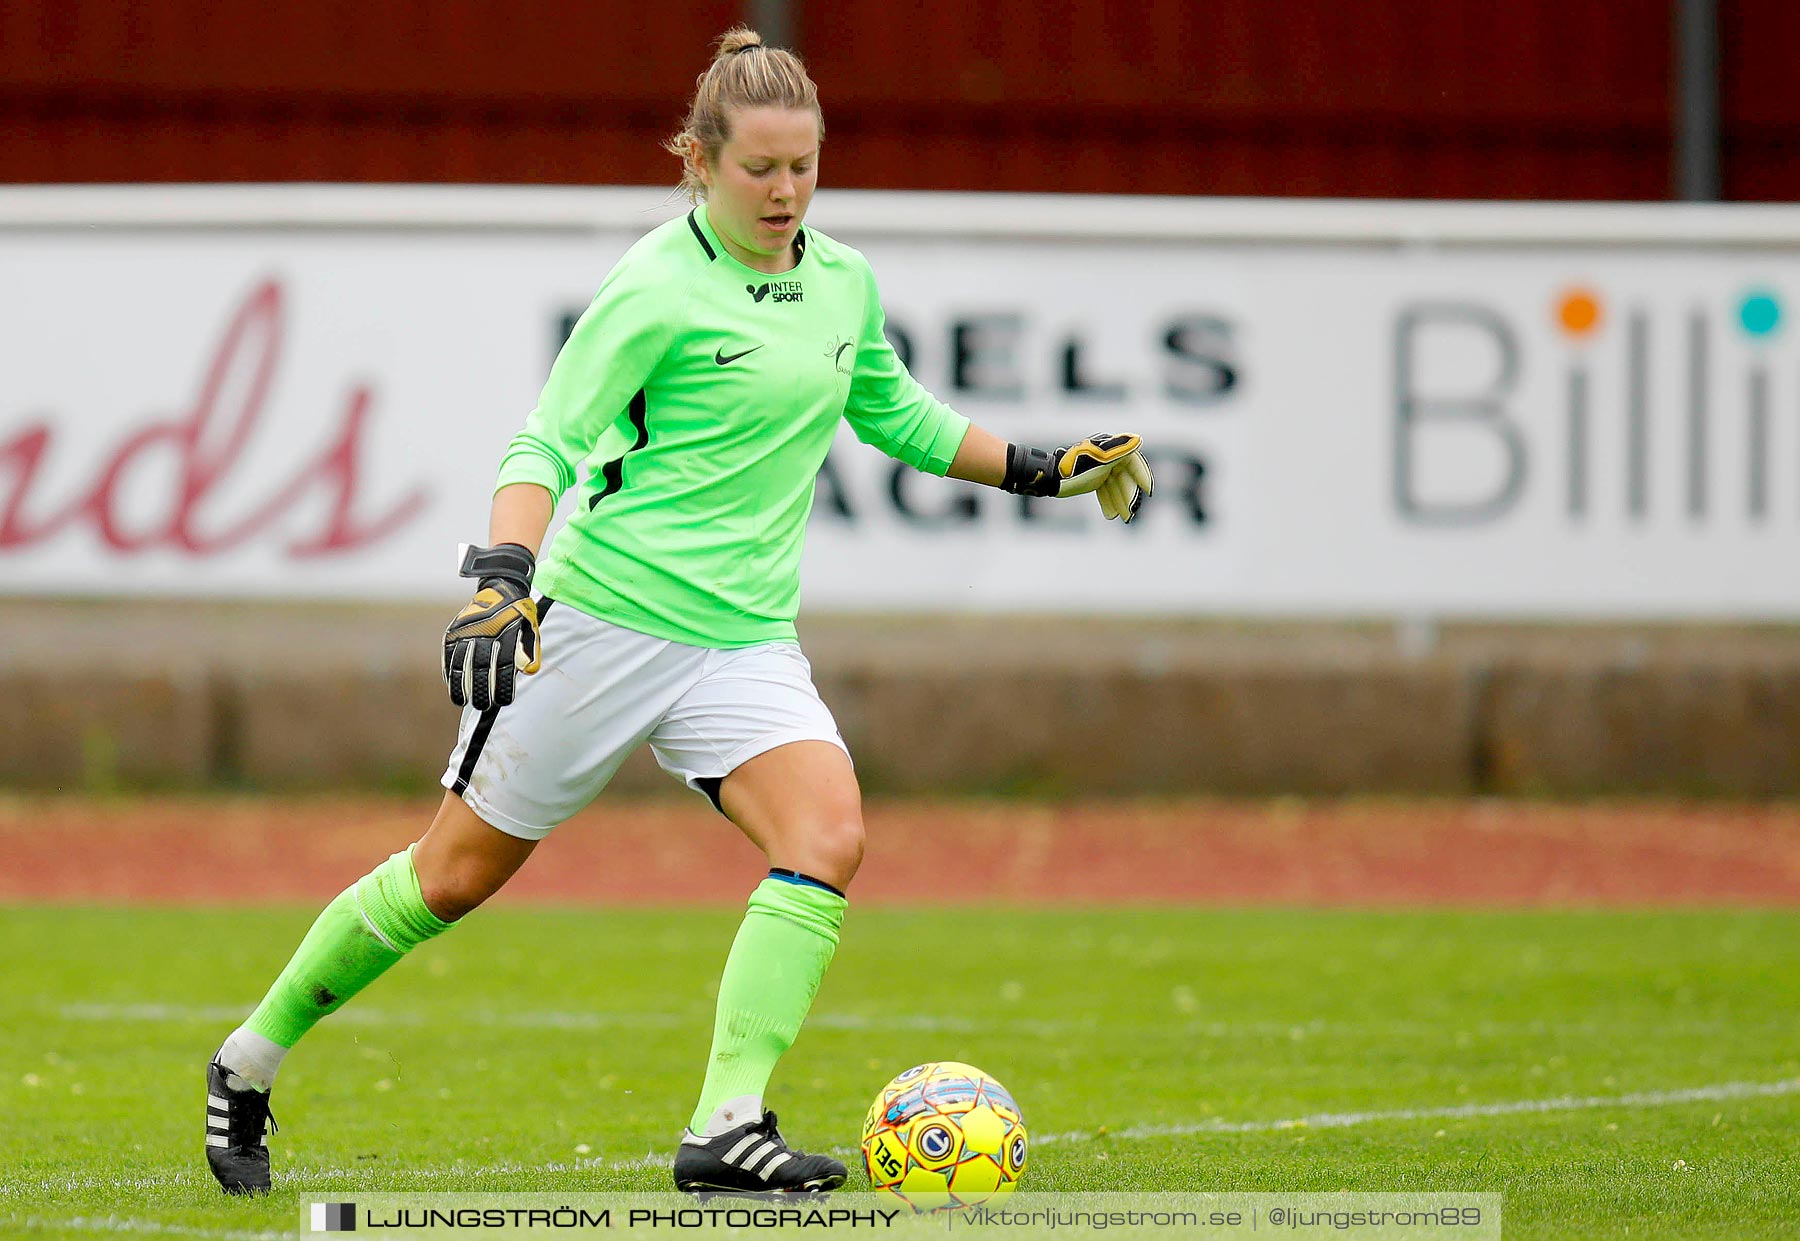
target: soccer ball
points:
(942, 1136)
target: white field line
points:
(1294, 1031)
(332, 1179)
(589, 1020)
(1344, 1120)
(232, 1014)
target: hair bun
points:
(738, 39)
(776, 79)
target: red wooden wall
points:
(1759, 89)
(1425, 98)
(1311, 97)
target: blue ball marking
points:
(1759, 313)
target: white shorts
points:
(604, 690)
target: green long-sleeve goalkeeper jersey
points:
(692, 408)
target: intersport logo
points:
(777, 291)
(1634, 409)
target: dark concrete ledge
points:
(172, 694)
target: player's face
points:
(759, 188)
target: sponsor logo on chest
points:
(776, 291)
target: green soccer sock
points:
(776, 964)
(372, 924)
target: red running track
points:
(253, 850)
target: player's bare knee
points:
(462, 860)
(836, 849)
(454, 885)
(453, 895)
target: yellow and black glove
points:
(496, 636)
(1111, 466)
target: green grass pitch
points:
(1152, 1048)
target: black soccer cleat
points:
(752, 1158)
(237, 1142)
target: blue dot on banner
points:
(1760, 313)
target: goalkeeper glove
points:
(1112, 466)
(496, 636)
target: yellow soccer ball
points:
(942, 1136)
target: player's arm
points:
(980, 459)
(520, 515)
(1110, 465)
(495, 638)
(614, 347)
(891, 410)
(610, 354)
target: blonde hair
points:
(745, 73)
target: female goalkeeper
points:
(691, 410)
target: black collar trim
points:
(700, 236)
(712, 255)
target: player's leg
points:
(800, 804)
(515, 773)
(414, 895)
(756, 738)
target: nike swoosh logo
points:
(726, 359)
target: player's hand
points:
(496, 636)
(1110, 465)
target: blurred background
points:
(1539, 99)
(1468, 488)
(1463, 630)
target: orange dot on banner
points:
(1578, 312)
